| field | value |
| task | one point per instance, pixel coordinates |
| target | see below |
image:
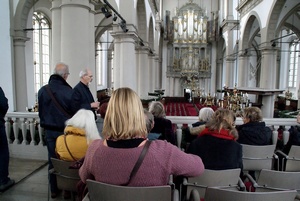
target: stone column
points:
(243, 71)
(20, 74)
(109, 69)
(158, 73)
(152, 72)
(125, 68)
(268, 79)
(229, 78)
(56, 32)
(73, 28)
(219, 81)
(171, 86)
(213, 86)
(178, 91)
(143, 73)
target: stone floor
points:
(31, 181)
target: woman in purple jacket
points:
(111, 160)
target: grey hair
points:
(61, 69)
(149, 120)
(85, 119)
(205, 114)
(157, 109)
(83, 73)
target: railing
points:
(26, 137)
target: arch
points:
(271, 27)
(248, 33)
(289, 18)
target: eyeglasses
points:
(89, 76)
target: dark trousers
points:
(4, 156)
(51, 137)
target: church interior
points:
(232, 53)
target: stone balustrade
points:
(26, 137)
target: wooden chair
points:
(271, 179)
(99, 191)
(256, 158)
(220, 194)
(67, 179)
(211, 178)
(291, 162)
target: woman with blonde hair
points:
(254, 131)
(80, 130)
(216, 144)
(112, 160)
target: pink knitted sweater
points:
(114, 165)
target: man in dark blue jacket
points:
(54, 109)
(82, 97)
(5, 181)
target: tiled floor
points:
(31, 181)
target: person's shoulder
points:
(161, 144)
(96, 142)
(78, 85)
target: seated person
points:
(294, 138)
(162, 125)
(205, 115)
(150, 124)
(112, 160)
(216, 145)
(254, 131)
(80, 130)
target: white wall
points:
(6, 75)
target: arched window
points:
(293, 65)
(41, 49)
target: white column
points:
(125, 70)
(20, 74)
(158, 73)
(171, 86)
(143, 73)
(152, 71)
(109, 72)
(219, 81)
(229, 79)
(243, 71)
(213, 79)
(177, 88)
(268, 80)
(56, 32)
(74, 25)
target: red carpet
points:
(181, 109)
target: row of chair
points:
(229, 180)
(257, 158)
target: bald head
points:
(62, 69)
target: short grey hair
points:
(61, 69)
(83, 73)
(157, 109)
(205, 114)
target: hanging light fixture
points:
(106, 12)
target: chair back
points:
(293, 161)
(257, 158)
(67, 179)
(219, 194)
(213, 178)
(99, 191)
(278, 180)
